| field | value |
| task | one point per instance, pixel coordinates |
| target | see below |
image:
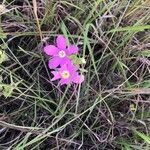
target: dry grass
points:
(110, 110)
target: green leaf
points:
(76, 60)
(83, 70)
(127, 147)
(131, 28)
(73, 56)
(146, 53)
(3, 46)
(7, 90)
(79, 61)
(145, 137)
(3, 56)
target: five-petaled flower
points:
(68, 74)
(61, 61)
(60, 53)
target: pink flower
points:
(60, 52)
(67, 74)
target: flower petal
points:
(56, 75)
(65, 61)
(73, 68)
(78, 78)
(54, 62)
(61, 42)
(51, 50)
(63, 67)
(65, 81)
(72, 49)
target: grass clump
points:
(109, 110)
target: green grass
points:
(109, 110)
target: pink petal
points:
(64, 61)
(63, 67)
(54, 62)
(61, 42)
(72, 68)
(51, 50)
(65, 81)
(56, 75)
(72, 49)
(78, 78)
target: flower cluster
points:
(61, 61)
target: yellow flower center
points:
(62, 54)
(65, 74)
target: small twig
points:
(36, 131)
(36, 17)
(21, 128)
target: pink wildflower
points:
(60, 53)
(67, 74)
